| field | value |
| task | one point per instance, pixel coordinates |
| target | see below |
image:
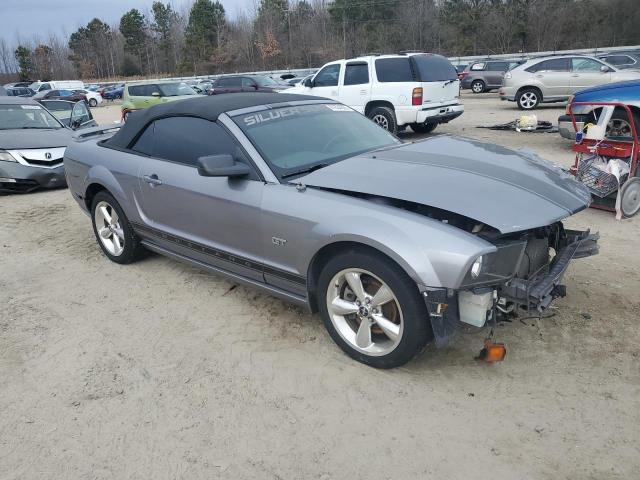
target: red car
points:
(69, 95)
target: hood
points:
(507, 190)
(23, 139)
(629, 90)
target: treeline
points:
(203, 39)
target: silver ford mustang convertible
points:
(395, 244)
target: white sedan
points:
(93, 98)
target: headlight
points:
(507, 75)
(476, 268)
(6, 156)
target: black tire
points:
(630, 197)
(132, 249)
(423, 127)
(417, 326)
(385, 117)
(619, 126)
(528, 98)
(478, 86)
(93, 102)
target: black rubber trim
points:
(220, 254)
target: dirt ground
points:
(158, 370)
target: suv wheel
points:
(372, 309)
(423, 127)
(384, 117)
(478, 86)
(529, 98)
(113, 231)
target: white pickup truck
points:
(419, 90)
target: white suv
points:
(417, 89)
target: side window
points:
(585, 65)
(230, 82)
(248, 83)
(185, 139)
(356, 74)
(136, 90)
(498, 66)
(80, 113)
(45, 86)
(478, 66)
(554, 65)
(328, 76)
(54, 93)
(394, 70)
(620, 60)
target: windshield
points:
(265, 81)
(175, 89)
(26, 116)
(296, 139)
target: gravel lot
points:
(158, 370)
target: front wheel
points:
(423, 127)
(384, 117)
(373, 310)
(93, 102)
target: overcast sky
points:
(23, 18)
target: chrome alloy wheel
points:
(109, 229)
(365, 312)
(477, 87)
(528, 100)
(381, 120)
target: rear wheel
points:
(423, 127)
(630, 197)
(93, 102)
(372, 309)
(528, 98)
(478, 86)
(113, 231)
(384, 117)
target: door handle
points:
(575, 75)
(152, 179)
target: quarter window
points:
(478, 66)
(620, 60)
(356, 74)
(328, 76)
(394, 70)
(498, 66)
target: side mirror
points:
(155, 94)
(605, 69)
(222, 166)
(308, 83)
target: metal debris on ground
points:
(526, 123)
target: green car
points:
(139, 95)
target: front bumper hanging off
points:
(533, 294)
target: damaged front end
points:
(523, 274)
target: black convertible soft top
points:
(208, 107)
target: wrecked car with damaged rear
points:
(396, 245)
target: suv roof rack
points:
(370, 54)
(406, 52)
